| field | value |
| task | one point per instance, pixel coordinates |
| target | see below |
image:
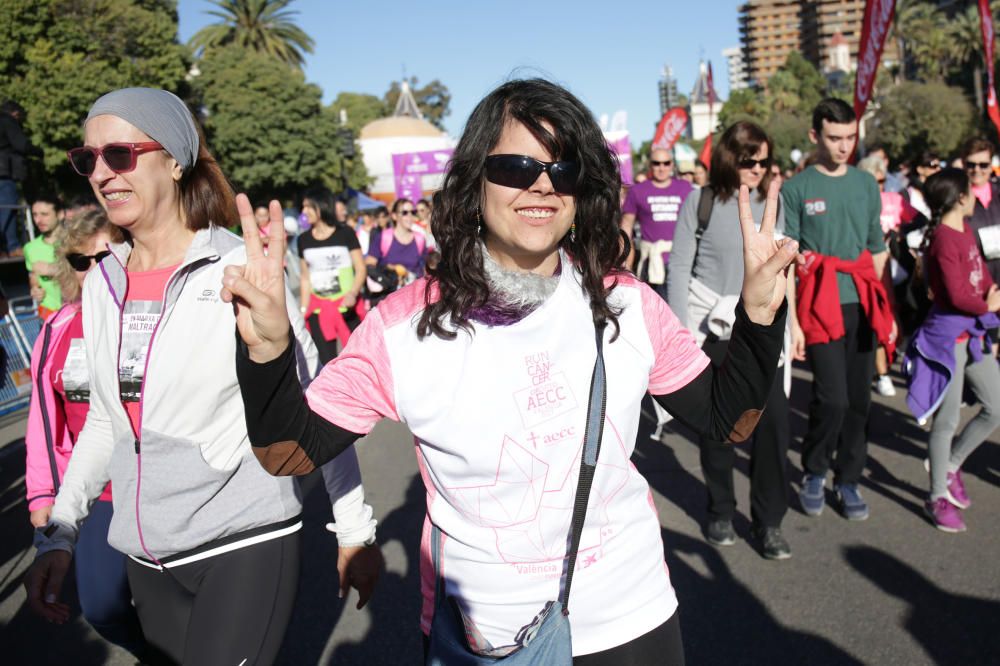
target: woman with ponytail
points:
(950, 349)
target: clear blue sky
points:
(608, 53)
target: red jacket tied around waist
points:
(818, 298)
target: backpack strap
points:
(385, 241)
(706, 199)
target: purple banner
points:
(408, 168)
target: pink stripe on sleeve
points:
(677, 357)
(355, 390)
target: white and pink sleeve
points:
(355, 390)
(677, 357)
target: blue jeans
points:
(8, 216)
(102, 584)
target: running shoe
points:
(883, 386)
(720, 533)
(956, 490)
(944, 515)
(812, 496)
(852, 505)
(772, 543)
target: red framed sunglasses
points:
(120, 157)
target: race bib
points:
(75, 377)
(990, 238)
(139, 320)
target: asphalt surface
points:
(890, 590)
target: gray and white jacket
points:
(189, 486)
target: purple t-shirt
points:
(411, 255)
(656, 209)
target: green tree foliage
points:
(784, 110)
(433, 99)
(361, 109)
(264, 26)
(268, 128)
(743, 104)
(58, 56)
(914, 117)
(797, 86)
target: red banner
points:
(878, 18)
(670, 128)
(706, 150)
(986, 23)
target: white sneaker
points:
(883, 386)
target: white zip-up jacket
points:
(189, 486)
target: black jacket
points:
(14, 147)
(988, 217)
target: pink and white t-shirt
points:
(499, 420)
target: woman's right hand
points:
(40, 517)
(993, 298)
(43, 583)
(257, 288)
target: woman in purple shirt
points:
(405, 250)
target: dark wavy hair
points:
(942, 192)
(740, 141)
(597, 246)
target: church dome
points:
(398, 126)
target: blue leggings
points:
(103, 587)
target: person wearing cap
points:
(212, 539)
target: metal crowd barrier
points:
(18, 331)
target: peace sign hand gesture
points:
(765, 260)
(257, 288)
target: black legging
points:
(659, 647)
(227, 609)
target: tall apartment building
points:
(771, 29)
(822, 20)
(736, 67)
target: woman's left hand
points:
(359, 567)
(765, 259)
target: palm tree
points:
(266, 26)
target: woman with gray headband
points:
(194, 511)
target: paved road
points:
(891, 590)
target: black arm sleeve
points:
(725, 404)
(287, 437)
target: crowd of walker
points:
(545, 300)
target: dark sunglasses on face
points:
(521, 172)
(665, 163)
(83, 262)
(749, 163)
(120, 157)
(977, 165)
(407, 213)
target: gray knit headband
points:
(159, 114)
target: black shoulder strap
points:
(588, 461)
(705, 201)
(706, 198)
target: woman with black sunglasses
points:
(703, 286)
(212, 540)
(60, 396)
(402, 247)
(491, 362)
